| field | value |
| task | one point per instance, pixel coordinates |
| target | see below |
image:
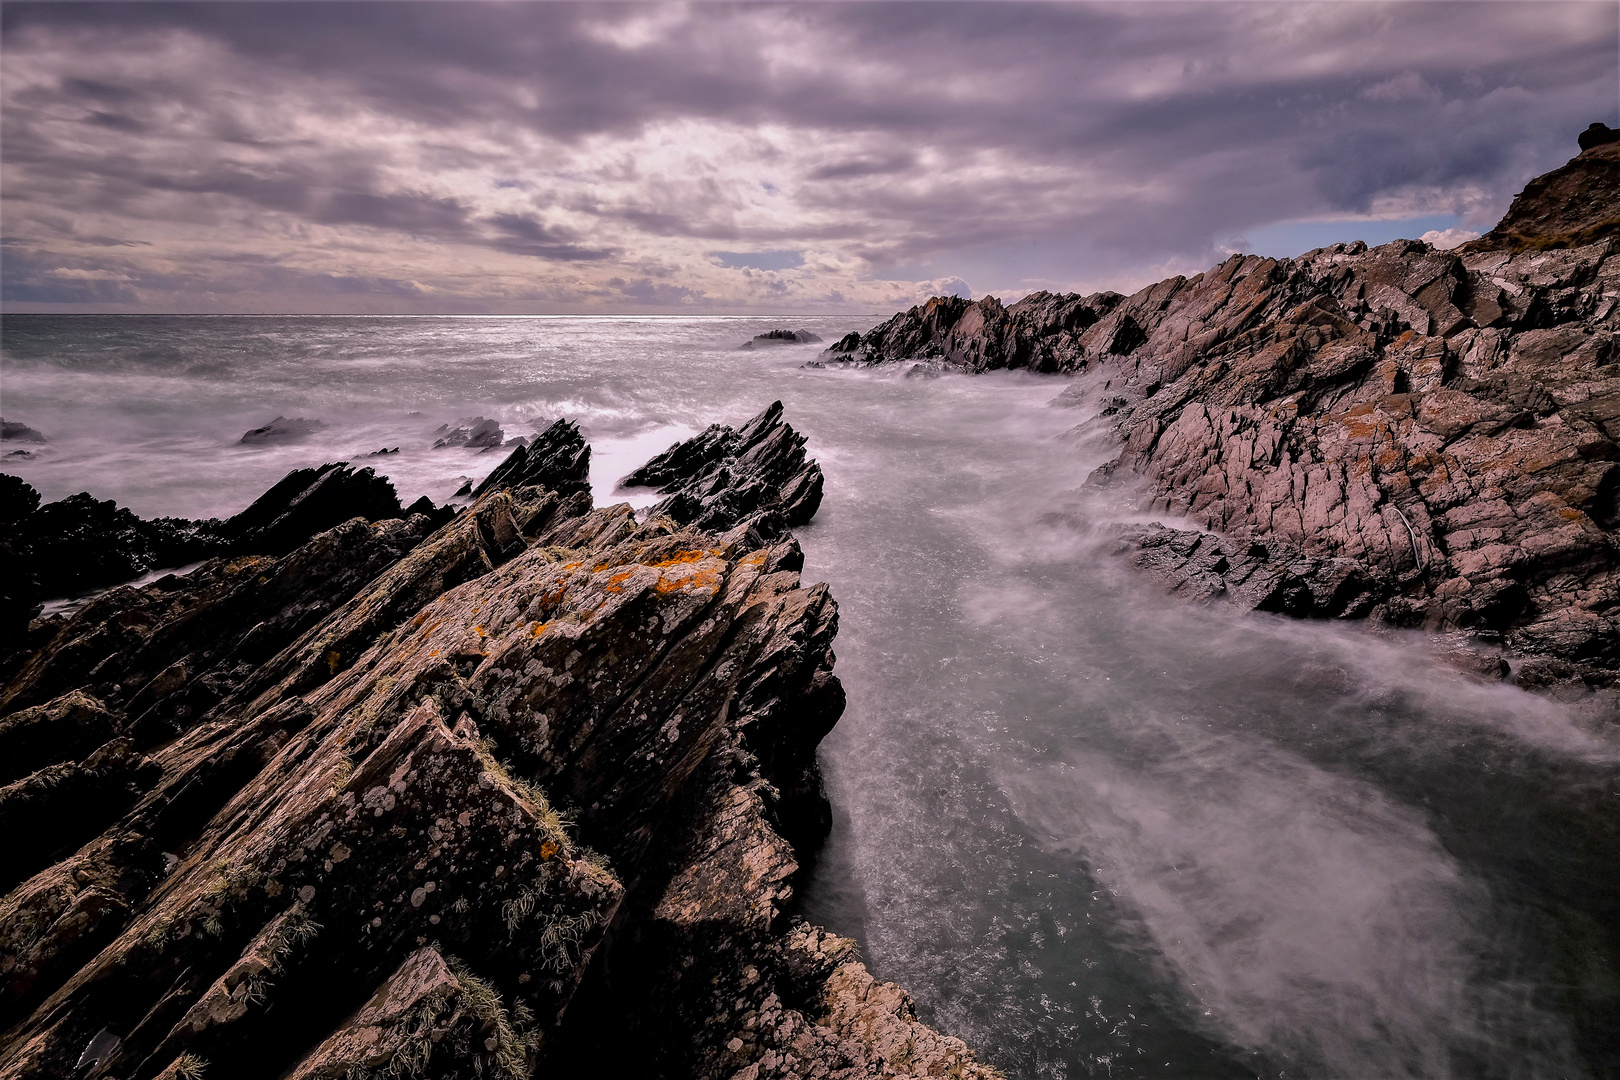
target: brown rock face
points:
(1568, 207)
(1422, 437)
(373, 807)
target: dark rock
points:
(310, 822)
(1043, 332)
(380, 453)
(18, 500)
(755, 477)
(1598, 135)
(781, 337)
(306, 502)
(477, 432)
(438, 515)
(282, 429)
(11, 431)
(558, 459)
(81, 543)
(22, 455)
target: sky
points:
(464, 157)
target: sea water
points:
(1093, 830)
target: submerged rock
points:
(12, 431)
(477, 432)
(282, 429)
(377, 804)
(781, 337)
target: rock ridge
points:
(1418, 437)
(472, 799)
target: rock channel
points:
(515, 793)
(1418, 437)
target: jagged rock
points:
(12, 431)
(727, 478)
(1043, 331)
(477, 432)
(317, 801)
(781, 337)
(1568, 207)
(1421, 437)
(306, 502)
(82, 543)
(558, 459)
(282, 429)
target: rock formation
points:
(756, 475)
(380, 805)
(557, 459)
(478, 432)
(14, 431)
(1420, 437)
(781, 337)
(282, 429)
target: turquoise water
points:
(1093, 831)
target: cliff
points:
(1418, 437)
(515, 793)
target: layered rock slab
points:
(382, 799)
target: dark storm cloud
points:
(915, 139)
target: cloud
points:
(366, 156)
(1445, 239)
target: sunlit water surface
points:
(1095, 832)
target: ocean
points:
(1093, 830)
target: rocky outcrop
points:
(477, 432)
(558, 459)
(81, 543)
(308, 501)
(380, 805)
(756, 475)
(781, 337)
(282, 429)
(14, 431)
(1420, 437)
(1568, 207)
(1042, 332)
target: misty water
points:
(1094, 831)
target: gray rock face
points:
(1421, 437)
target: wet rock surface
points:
(1419, 437)
(781, 337)
(15, 431)
(477, 432)
(282, 429)
(384, 803)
